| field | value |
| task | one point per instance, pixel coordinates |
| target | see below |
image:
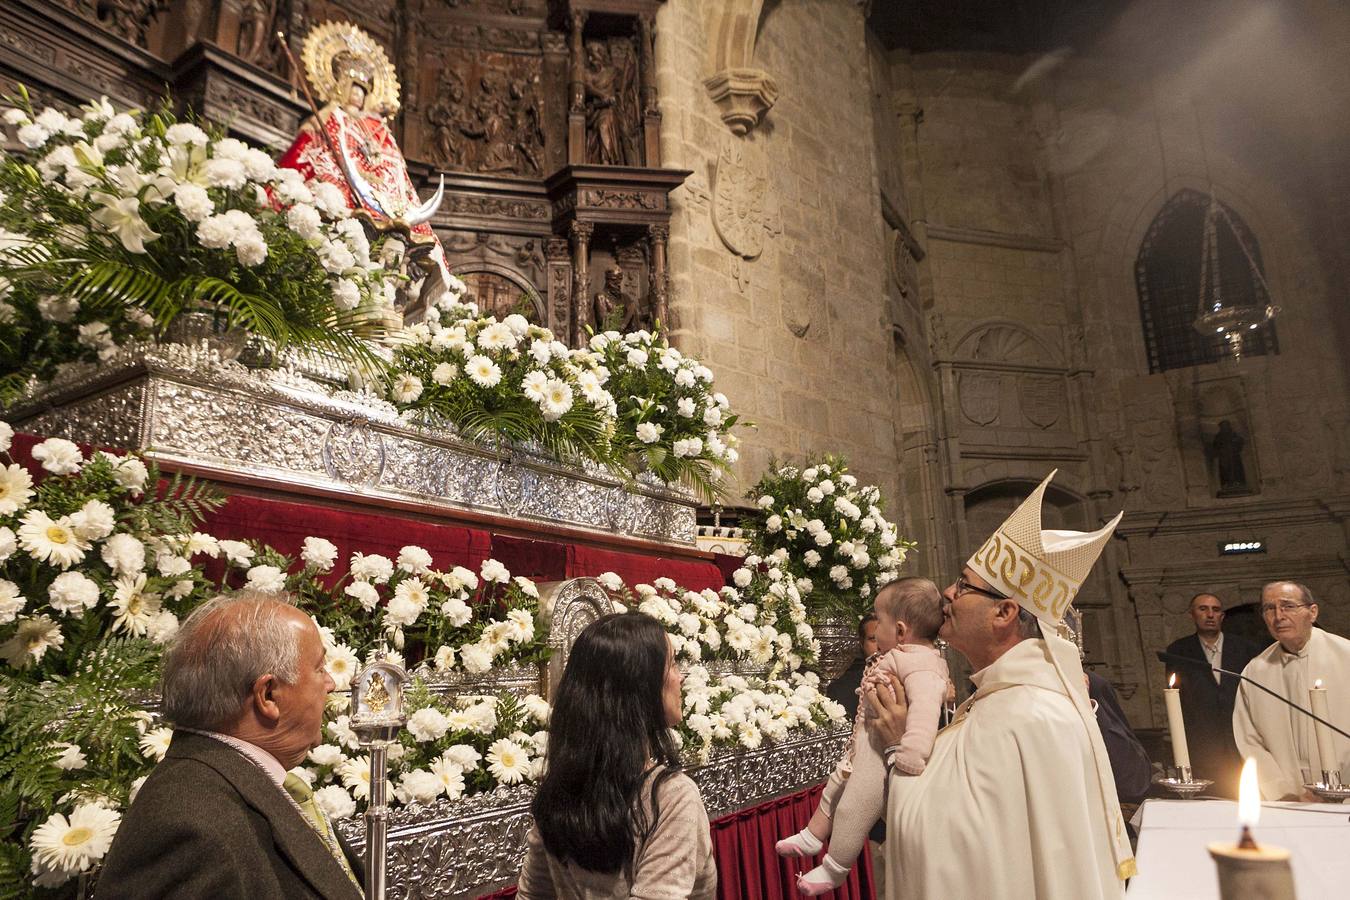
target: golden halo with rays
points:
(326, 41)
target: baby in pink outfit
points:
(909, 614)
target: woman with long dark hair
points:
(614, 816)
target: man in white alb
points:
(1282, 739)
(1017, 800)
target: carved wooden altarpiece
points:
(542, 115)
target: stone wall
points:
(776, 245)
(1037, 202)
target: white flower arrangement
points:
(81, 556)
(835, 542)
(119, 222)
(761, 621)
(451, 748)
(668, 416)
(97, 563)
(506, 380)
(732, 712)
(455, 621)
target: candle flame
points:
(1317, 685)
(1249, 795)
(1172, 680)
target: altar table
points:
(1173, 834)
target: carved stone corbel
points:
(742, 92)
(743, 96)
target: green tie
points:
(303, 796)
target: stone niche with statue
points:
(540, 115)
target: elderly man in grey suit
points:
(244, 685)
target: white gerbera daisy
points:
(534, 384)
(155, 743)
(355, 774)
(73, 845)
(497, 336)
(407, 388)
(51, 540)
(33, 638)
(342, 664)
(522, 625)
(483, 371)
(16, 489)
(135, 607)
(450, 774)
(557, 399)
(508, 762)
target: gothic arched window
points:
(1167, 273)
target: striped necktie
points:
(303, 796)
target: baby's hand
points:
(883, 688)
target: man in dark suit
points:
(244, 684)
(1206, 699)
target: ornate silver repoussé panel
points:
(187, 405)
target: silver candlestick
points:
(1180, 782)
(1331, 788)
(377, 716)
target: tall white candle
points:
(1326, 750)
(1181, 756)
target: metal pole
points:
(377, 812)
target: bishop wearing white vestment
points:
(1017, 800)
(1282, 739)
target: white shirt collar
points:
(252, 752)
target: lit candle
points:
(1317, 699)
(1246, 870)
(1176, 724)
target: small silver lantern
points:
(377, 716)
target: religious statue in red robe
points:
(348, 144)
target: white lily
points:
(122, 217)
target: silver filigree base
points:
(1330, 788)
(191, 407)
(1184, 789)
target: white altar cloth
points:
(1173, 835)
